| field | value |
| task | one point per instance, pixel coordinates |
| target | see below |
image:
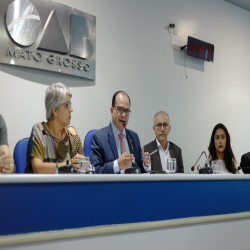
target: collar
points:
(116, 130)
(160, 146)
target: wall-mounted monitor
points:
(200, 49)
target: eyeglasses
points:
(159, 125)
(67, 105)
(121, 110)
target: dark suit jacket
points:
(175, 152)
(104, 151)
(245, 163)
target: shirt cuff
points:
(147, 169)
(116, 167)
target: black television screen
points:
(200, 49)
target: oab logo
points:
(66, 46)
(23, 22)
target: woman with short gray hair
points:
(54, 141)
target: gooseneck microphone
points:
(243, 169)
(239, 168)
(192, 168)
(127, 133)
(134, 168)
(45, 132)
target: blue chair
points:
(88, 141)
(20, 152)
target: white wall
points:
(132, 55)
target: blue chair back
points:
(20, 152)
(88, 141)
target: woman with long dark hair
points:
(220, 149)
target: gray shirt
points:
(3, 132)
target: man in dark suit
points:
(113, 148)
(166, 149)
(245, 163)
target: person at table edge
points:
(6, 160)
(44, 151)
(112, 151)
(166, 149)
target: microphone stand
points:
(192, 168)
(205, 169)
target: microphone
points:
(125, 127)
(134, 168)
(192, 168)
(239, 168)
(45, 132)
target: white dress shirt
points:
(164, 155)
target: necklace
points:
(54, 136)
(56, 142)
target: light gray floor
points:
(226, 235)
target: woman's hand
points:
(75, 161)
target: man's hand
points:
(147, 159)
(6, 163)
(125, 160)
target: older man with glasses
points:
(164, 149)
(113, 148)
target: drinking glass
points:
(216, 167)
(213, 164)
(84, 163)
(171, 166)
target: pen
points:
(149, 154)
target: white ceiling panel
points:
(245, 4)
